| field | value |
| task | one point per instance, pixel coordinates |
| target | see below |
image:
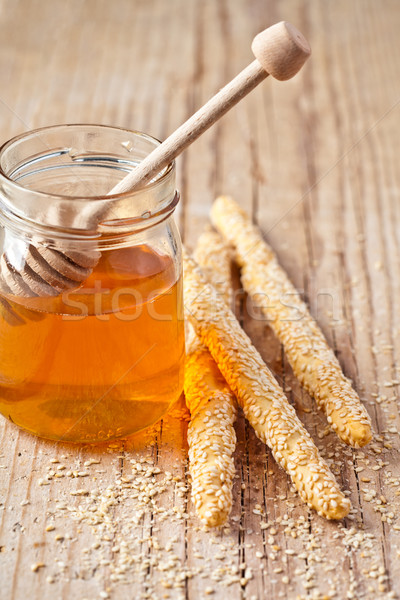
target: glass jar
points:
(94, 349)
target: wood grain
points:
(315, 161)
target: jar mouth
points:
(59, 177)
(42, 130)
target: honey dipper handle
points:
(280, 50)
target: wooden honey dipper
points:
(280, 51)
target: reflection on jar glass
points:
(91, 310)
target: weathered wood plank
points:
(314, 160)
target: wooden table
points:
(316, 162)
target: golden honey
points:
(100, 362)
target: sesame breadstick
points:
(211, 436)
(263, 401)
(214, 256)
(312, 360)
(212, 405)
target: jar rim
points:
(35, 210)
(153, 183)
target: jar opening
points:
(59, 177)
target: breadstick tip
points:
(361, 434)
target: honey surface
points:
(98, 363)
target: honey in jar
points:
(103, 359)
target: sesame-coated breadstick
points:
(214, 256)
(212, 405)
(312, 360)
(211, 435)
(263, 401)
